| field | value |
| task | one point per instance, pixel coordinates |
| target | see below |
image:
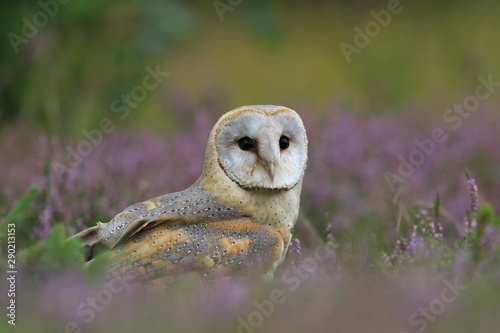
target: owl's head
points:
(261, 147)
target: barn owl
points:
(238, 217)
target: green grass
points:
(428, 56)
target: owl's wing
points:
(192, 204)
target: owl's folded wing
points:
(190, 205)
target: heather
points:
(359, 249)
(350, 156)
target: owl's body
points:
(238, 217)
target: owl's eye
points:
(284, 142)
(246, 143)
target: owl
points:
(237, 218)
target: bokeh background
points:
(70, 72)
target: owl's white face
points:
(262, 146)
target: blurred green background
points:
(66, 76)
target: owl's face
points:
(262, 147)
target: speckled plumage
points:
(237, 217)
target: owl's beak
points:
(269, 156)
(270, 167)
